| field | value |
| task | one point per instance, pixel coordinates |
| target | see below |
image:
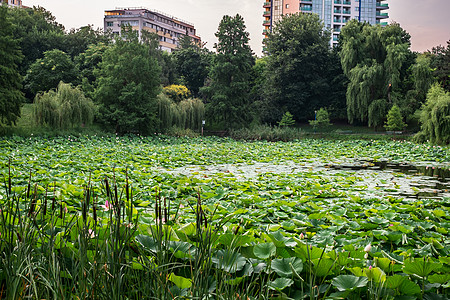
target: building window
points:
(130, 23)
(287, 5)
(109, 24)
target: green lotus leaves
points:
(421, 267)
(265, 250)
(281, 283)
(287, 267)
(180, 282)
(229, 261)
(349, 282)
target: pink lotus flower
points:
(107, 206)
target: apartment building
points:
(13, 3)
(334, 13)
(168, 28)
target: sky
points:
(427, 21)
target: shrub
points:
(394, 119)
(63, 108)
(286, 120)
(322, 119)
(177, 93)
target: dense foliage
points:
(63, 108)
(230, 75)
(47, 72)
(297, 67)
(435, 117)
(359, 81)
(372, 58)
(127, 86)
(11, 96)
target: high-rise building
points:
(13, 3)
(168, 28)
(334, 13)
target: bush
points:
(287, 120)
(63, 108)
(267, 133)
(177, 93)
(322, 119)
(394, 119)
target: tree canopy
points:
(230, 75)
(11, 96)
(298, 68)
(372, 58)
(47, 72)
(192, 64)
(128, 83)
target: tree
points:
(47, 72)
(372, 58)
(298, 67)
(11, 96)
(394, 119)
(86, 63)
(192, 64)
(77, 41)
(441, 64)
(435, 117)
(287, 120)
(37, 31)
(128, 83)
(63, 108)
(230, 74)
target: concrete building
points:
(13, 3)
(168, 28)
(334, 13)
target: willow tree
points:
(435, 117)
(63, 108)
(184, 114)
(10, 80)
(372, 58)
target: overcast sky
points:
(427, 21)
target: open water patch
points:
(372, 178)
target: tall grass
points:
(50, 250)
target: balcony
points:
(337, 29)
(266, 14)
(347, 2)
(382, 6)
(337, 2)
(346, 12)
(381, 15)
(266, 31)
(306, 8)
(345, 20)
(266, 23)
(336, 20)
(337, 11)
(267, 4)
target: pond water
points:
(374, 179)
